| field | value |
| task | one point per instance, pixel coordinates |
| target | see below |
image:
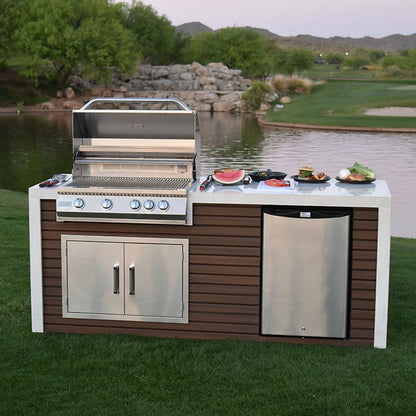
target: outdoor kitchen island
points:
(217, 288)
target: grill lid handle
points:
(179, 104)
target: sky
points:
(323, 18)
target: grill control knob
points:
(107, 204)
(163, 205)
(149, 205)
(79, 203)
(134, 204)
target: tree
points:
(156, 38)
(9, 20)
(61, 37)
(375, 55)
(298, 60)
(235, 47)
(334, 58)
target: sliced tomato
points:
(276, 182)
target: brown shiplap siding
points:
(224, 275)
(363, 275)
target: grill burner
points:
(169, 184)
(131, 163)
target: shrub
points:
(285, 85)
(394, 71)
(255, 95)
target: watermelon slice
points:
(229, 178)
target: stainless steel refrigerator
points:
(305, 271)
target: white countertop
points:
(331, 193)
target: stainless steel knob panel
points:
(78, 203)
(107, 204)
(135, 204)
(163, 205)
(149, 205)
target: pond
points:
(35, 146)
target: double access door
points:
(141, 279)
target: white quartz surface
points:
(331, 193)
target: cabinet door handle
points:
(132, 284)
(116, 279)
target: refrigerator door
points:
(305, 275)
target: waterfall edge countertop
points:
(331, 194)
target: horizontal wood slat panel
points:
(222, 308)
(225, 270)
(227, 221)
(53, 301)
(224, 250)
(224, 299)
(364, 264)
(225, 280)
(219, 327)
(363, 275)
(363, 285)
(362, 333)
(364, 235)
(362, 304)
(363, 294)
(364, 255)
(225, 260)
(364, 245)
(228, 210)
(216, 317)
(225, 275)
(68, 328)
(365, 225)
(366, 214)
(52, 253)
(363, 315)
(362, 324)
(224, 289)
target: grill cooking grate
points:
(137, 183)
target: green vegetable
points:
(358, 168)
(304, 173)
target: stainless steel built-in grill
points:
(134, 161)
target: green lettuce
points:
(358, 168)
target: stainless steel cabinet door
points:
(154, 286)
(94, 270)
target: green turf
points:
(343, 103)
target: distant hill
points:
(391, 43)
(193, 28)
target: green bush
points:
(255, 95)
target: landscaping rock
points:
(285, 100)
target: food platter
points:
(230, 177)
(263, 175)
(366, 181)
(306, 180)
(277, 183)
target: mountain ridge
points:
(391, 43)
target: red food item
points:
(276, 182)
(228, 178)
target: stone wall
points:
(213, 87)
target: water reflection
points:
(238, 141)
(34, 147)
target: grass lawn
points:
(333, 71)
(63, 374)
(343, 102)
